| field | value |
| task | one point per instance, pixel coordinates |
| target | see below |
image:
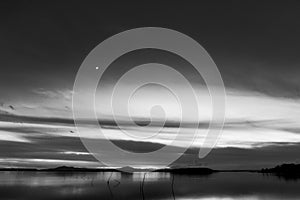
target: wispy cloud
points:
(253, 121)
(65, 94)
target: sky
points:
(255, 45)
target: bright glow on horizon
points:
(252, 120)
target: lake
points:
(94, 185)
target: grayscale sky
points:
(255, 45)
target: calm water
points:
(45, 185)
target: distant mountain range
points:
(280, 170)
(63, 169)
(189, 170)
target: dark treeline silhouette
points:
(284, 171)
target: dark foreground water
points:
(90, 185)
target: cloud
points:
(45, 103)
(42, 139)
(65, 94)
(253, 121)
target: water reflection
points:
(108, 185)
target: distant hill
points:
(190, 170)
(62, 169)
(76, 169)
